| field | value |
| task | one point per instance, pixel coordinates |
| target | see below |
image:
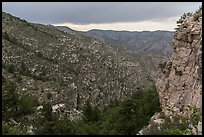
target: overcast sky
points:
(132, 16)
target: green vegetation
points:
(180, 125)
(179, 73)
(124, 118)
(195, 16)
(26, 104)
(183, 18)
(177, 125)
(198, 13)
(91, 114)
(10, 130)
(15, 106)
(9, 100)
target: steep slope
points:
(74, 68)
(179, 82)
(151, 47)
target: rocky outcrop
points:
(180, 80)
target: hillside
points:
(145, 41)
(132, 41)
(74, 68)
(151, 47)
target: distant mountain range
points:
(132, 41)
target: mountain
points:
(64, 29)
(73, 68)
(159, 41)
(151, 47)
(132, 41)
(66, 82)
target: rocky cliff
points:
(179, 81)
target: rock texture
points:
(180, 80)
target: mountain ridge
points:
(133, 41)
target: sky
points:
(84, 16)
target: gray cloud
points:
(97, 12)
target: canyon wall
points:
(180, 80)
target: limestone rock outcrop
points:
(180, 80)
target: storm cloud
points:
(97, 12)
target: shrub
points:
(49, 95)
(180, 125)
(10, 130)
(26, 105)
(90, 114)
(11, 68)
(183, 18)
(19, 78)
(6, 36)
(179, 73)
(197, 14)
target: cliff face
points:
(180, 80)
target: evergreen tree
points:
(90, 114)
(9, 100)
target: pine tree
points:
(9, 100)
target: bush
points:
(49, 95)
(3, 79)
(83, 128)
(6, 36)
(183, 18)
(90, 114)
(11, 68)
(64, 127)
(197, 14)
(179, 73)
(18, 77)
(26, 105)
(10, 130)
